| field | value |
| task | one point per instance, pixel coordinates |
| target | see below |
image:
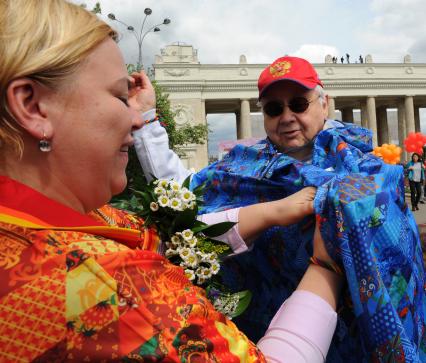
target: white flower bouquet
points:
(188, 242)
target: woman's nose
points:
(137, 121)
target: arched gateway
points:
(198, 89)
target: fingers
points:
(140, 79)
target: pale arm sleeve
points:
(232, 237)
(154, 154)
(301, 331)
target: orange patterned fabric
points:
(73, 296)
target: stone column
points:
(401, 129)
(364, 115)
(331, 108)
(417, 119)
(409, 114)
(347, 114)
(203, 115)
(371, 115)
(244, 127)
(382, 126)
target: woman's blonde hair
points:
(46, 41)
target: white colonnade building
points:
(370, 89)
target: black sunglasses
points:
(296, 105)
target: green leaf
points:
(186, 182)
(244, 302)
(199, 190)
(134, 202)
(184, 220)
(214, 230)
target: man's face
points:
(291, 129)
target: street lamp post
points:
(140, 36)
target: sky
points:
(222, 30)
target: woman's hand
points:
(141, 92)
(256, 218)
(292, 209)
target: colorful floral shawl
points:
(367, 228)
(70, 292)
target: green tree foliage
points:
(96, 9)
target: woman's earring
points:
(44, 144)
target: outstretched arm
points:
(303, 328)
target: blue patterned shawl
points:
(367, 228)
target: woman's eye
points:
(124, 100)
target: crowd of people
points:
(347, 57)
(323, 238)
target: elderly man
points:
(359, 204)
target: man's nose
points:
(287, 115)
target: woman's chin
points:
(119, 185)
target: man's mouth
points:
(290, 133)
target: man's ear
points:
(25, 99)
(325, 106)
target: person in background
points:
(416, 177)
(82, 281)
(360, 202)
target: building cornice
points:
(215, 86)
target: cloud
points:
(316, 53)
(397, 28)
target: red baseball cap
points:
(288, 69)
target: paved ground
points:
(420, 216)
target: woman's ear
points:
(25, 100)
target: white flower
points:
(191, 260)
(187, 234)
(163, 201)
(190, 205)
(174, 186)
(159, 191)
(210, 257)
(201, 280)
(184, 252)
(156, 182)
(163, 183)
(175, 204)
(186, 195)
(214, 268)
(192, 242)
(170, 252)
(154, 206)
(190, 274)
(227, 305)
(203, 272)
(171, 194)
(175, 240)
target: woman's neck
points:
(37, 175)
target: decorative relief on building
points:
(370, 70)
(177, 72)
(183, 113)
(243, 72)
(329, 71)
(409, 70)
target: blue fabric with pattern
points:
(367, 228)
